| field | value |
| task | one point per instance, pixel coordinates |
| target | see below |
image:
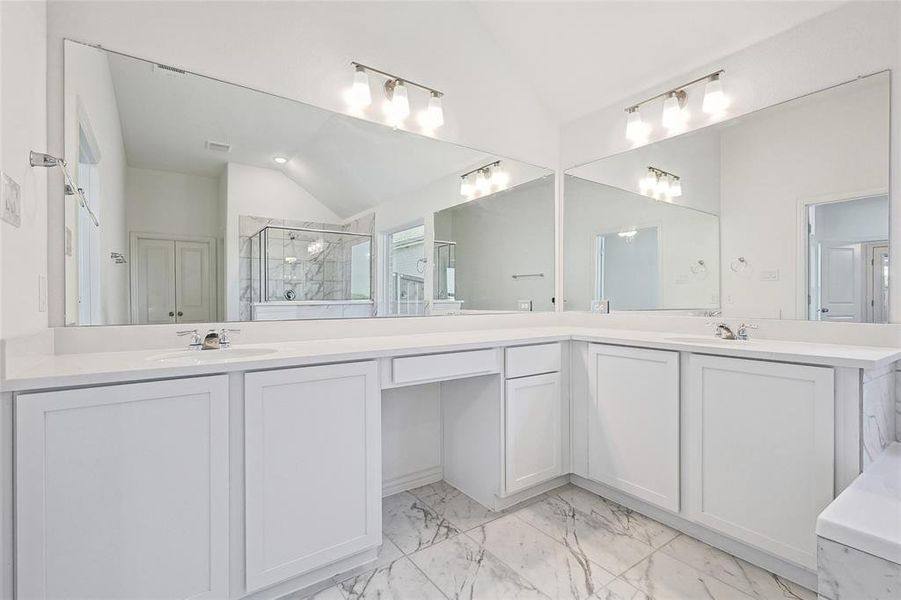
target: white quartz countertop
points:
(67, 370)
(867, 515)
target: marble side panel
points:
(879, 409)
(844, 573)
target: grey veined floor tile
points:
(754, 581)
(461, 568)
(411, 524)
(400, 580)
(662, 577)
(555, 569)
(463, 512)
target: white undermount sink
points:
(200, 357)
(702, 339)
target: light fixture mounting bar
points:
(662, 173)
(676, 89)
(496, 163)
(391, 76)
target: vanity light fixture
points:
(397, 105)
(484, 180)
(675, 114)
(660, 184)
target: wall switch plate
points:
(525, 305)
(769, 274)
(42, 293)
(10, 201)
(600, 306)
(68, 242)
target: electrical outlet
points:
(769, 275)
(11, 201)
(525, 305)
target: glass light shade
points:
(482, 182)
(360, 96)
(674, 115)
(500, 179)
(400, 103)
(662, 186)
(467, 189)
(675, 189)
(715, 100)
(637, 130)
(648, 183)
(432, 117)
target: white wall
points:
(856, 39)
(24, 126)
(829, 146)
(254, 191)
(684, 237)
(172, 203)
(90, 98)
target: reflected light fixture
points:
(279, 160)
(675, 112)
(485, 180)
(660, 184)
(628, 235)
(675, 188)
(715, 100)
(397, 104)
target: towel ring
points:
(739, 264)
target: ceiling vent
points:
(168, 71)
(218, 146)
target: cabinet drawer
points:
(532, 360)
(449, 365)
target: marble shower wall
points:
(879, 412)
(319, 265)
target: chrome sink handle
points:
(722, 331)
(742, 333)
(196, 340)
(224, 339)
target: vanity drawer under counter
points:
(521, 361)
(425, 368)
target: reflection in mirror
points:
(781, 214)
(221, 203)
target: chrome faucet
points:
(723, 331)
(196, 340)
(742, 333)
(215, 340)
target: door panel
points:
(761, 451)
(633, 435)
(533, 431)
(155, 281)
(841, 282)
(312, 468)
(122, 491)
(192, 282)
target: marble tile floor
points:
(565, 544)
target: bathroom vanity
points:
(260, 473)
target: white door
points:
(633, 429)
(172, 280)
(533, 431)
(193, 303)
(312, 468)
(154, 283)
(877, 289)
(122, 491)
(760, 451)
(840, 279)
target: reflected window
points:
(406, 268)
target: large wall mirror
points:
(216, 202)
(781, 214)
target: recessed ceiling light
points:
(280, 160)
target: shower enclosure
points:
(311, 273)
(445, 270)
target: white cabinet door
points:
(534, 450)
(633, 429)
(761, 453)
(312, 468)
(122, 491)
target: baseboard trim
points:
(792, 572)
(409, 481)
